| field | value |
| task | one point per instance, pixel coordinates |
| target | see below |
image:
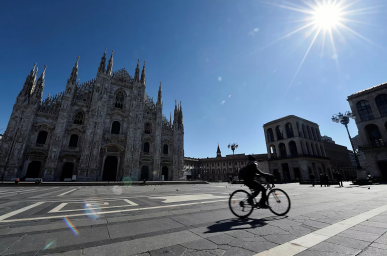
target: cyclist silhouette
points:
(250, 171)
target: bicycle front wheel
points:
(278, 201)
(238, 204)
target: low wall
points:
(103, 183)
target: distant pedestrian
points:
(321, 179)
(326, 179)
(339, 179)
(311, 176)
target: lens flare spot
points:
(127, 181)
(334, 56)
(49, 244)
(91, 209)
(223, 101)
(229, 96)
(117, 190)
(219, 78)
(71, 226)
(256, 29)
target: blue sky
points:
(202, 52)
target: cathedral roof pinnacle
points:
(74, 72)
(137, 72)
(143, 74)
(101, 67)
(110, 64)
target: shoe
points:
(263, 206)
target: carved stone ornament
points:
(56, 141)
(44, 126)
(113, 148)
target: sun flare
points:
(325, 20)
(327, 16)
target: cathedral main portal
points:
(110, 169)
(67, 171)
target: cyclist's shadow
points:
(240, 224)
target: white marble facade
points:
(105, 129)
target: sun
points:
(327, 16)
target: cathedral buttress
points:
(90, 166)
(51, 170)
(158, 145)
(18, 131)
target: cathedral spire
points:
(40, 85)
(159, 96)
(27, 83)
(137, 72)
(74, 73)
(143, 74)
(218, 153)
(103, 63)
(110, 64)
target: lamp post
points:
(233, 146)
(344, 119)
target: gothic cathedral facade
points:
(106, 129)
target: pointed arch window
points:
(279, 131)
(165, 149)
(78, 119)
(146, 147)
(119, 103)
(148, 128)
(42, 137)
(270, 135)
(116, 126)
(381, 102)
(73, 141)
(364, 110)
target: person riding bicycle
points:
(251, 169)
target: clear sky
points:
(220, 58)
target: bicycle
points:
(275, 197)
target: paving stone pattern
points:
(203, 229)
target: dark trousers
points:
(257, 187)
(340, 182)
(312, 180)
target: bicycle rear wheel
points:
(238, 204)
(278, 201)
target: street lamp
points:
(233, 146)
(344, 119)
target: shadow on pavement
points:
(240, 224)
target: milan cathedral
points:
(105, 129)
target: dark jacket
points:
(251, 170)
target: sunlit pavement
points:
(190, 220)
